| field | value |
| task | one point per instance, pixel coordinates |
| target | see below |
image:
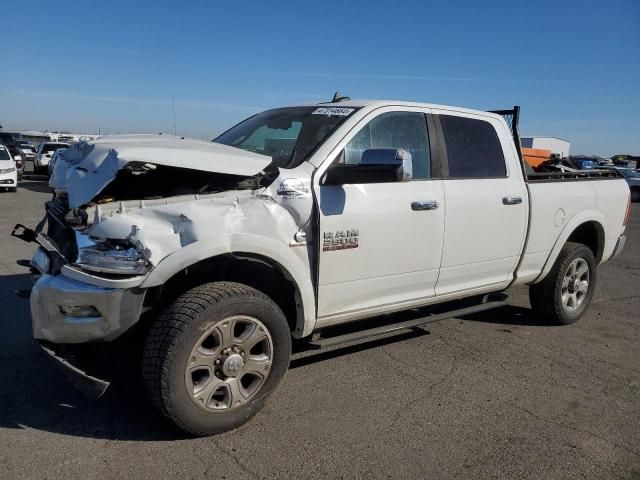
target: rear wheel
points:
(566, 292)
(214, 356)
(635, 194)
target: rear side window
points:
(473, 148)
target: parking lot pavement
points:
(496, 395)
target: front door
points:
(380, 243)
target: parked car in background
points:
(27, 148)
(9, 142)
(44, 154)
(631, 176)
(8, 171)
(54, 158)
(16, 154)
(631, 161)
(585, 162)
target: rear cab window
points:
(473, 148)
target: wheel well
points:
(256, 271)
(590, 234)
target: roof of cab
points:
(359, 103)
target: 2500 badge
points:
(340, 240)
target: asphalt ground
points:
(495, 395)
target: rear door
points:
(486, 198)
(380, 243)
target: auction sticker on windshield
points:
(340, 111)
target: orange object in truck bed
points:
(535, 156)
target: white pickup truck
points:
(215, 255)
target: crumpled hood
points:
(87, 167)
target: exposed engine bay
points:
(138, 180)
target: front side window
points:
(398, 130)
(473, 148)
(287, 135)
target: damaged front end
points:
(120, 208)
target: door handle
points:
(425, 205)
(511, 200)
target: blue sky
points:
(573, 66)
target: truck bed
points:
(512, 117)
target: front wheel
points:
(214, 356)
(566, 292)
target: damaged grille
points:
(58, 230)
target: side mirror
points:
(377, 165)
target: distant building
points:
(32, 136)
(36, 137)
(557, 146)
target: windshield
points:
(4, 154)
(287, 135)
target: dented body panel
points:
(176, 232)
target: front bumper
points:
(89, 385)
(54, 296)
(9, 179)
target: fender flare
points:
(580, 219)
(251, 245)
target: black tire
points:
(546, 296)
(13, 189)
(178, 331)
(635, 195)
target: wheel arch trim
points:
(586, 217)
(247, 246)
